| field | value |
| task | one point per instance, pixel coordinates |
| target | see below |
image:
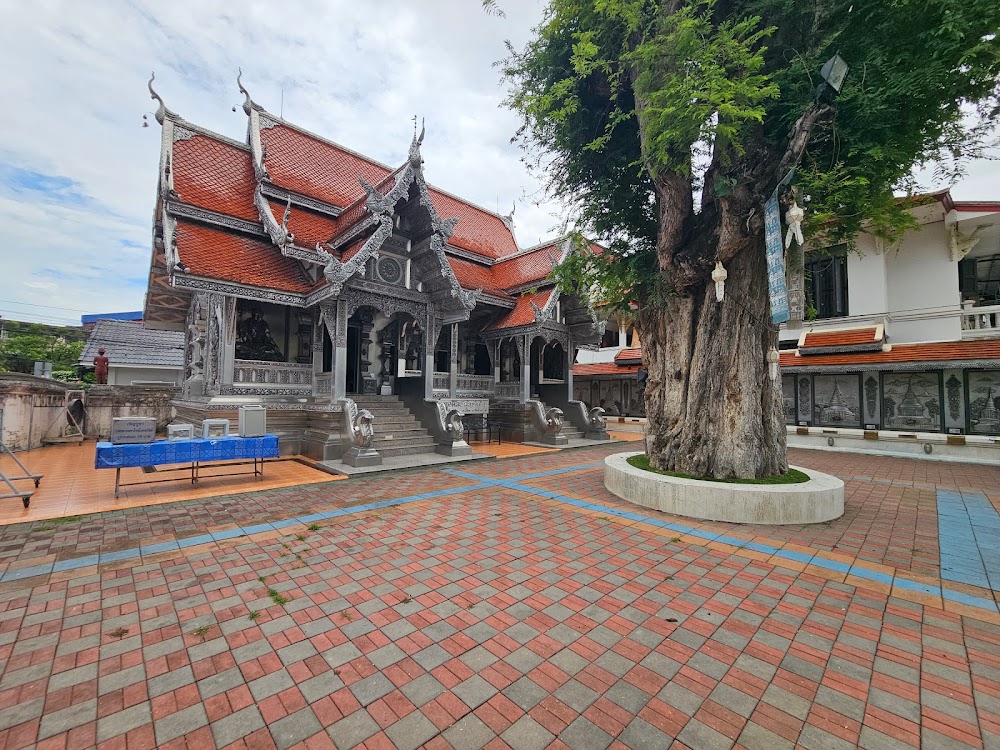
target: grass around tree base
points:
(794, 476)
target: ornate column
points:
(524, 351)
(453, 363)
(227, 353)
(335, 321)
(214, 350)
(196, 347)
(430, 341)
(317, 352)
(495, 351)
(569, 368)
(369, 383)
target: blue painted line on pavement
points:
(856, 569)
(969, 529)
(969, 539)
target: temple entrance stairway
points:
(570, 430)
(397, 430)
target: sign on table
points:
(133, 429)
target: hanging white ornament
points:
(772, 363)
(793, 217)
(719, 276)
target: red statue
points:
(101, 367)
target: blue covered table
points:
(195, 452)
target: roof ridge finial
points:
(161, 111)
(248, 102)
(415, 159)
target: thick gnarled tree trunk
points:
(711, 408)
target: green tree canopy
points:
(665, 125)
(720, 80)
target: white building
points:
(940, 283)
(903, 338)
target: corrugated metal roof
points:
(129, 343)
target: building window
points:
(826, 285)
(979, 279)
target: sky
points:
(78, 170)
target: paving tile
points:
(527, 734)
(600, 630)
(353, 730)
(411, 732)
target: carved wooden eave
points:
(164, 307)
(241, 291)
(452, 302)
(548, 330)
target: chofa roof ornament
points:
(161, 111)
(247, 102)
(416, 160)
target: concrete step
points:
(388, 424)
(406, 450)
(401, 434)
(385, 408)
(397, 431)
(369, 399)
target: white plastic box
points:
(180, 431)
(215, 428)
(253, 421)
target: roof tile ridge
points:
(534, 248)
(202, 130)
(369, 159)
(321, 139)
(977, 205)
(466, 201)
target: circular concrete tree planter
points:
(819, 499)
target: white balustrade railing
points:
(508, 390)
(272, 374)
(324, 384)
(479, 384)
(981, 322)
(441, 381)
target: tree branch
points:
(801, 132)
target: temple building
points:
(315, 281)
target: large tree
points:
(666, 125)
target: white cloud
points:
(353, 72)
(74, 92)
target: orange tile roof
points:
(473, 276)
(524, 269)
(217, 254)
(307, 226)
(930, 352)
(604, 368)
(846, 337)
(351, 250)
(215, 175)
(523, 313)
(628, 354)
(478, 231)
(306, 165)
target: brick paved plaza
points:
(510, 603)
